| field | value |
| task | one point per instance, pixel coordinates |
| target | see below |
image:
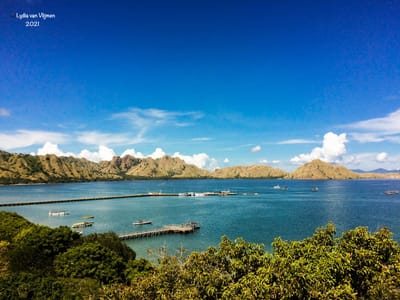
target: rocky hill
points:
(317, 169)
(253, 171)
(25, 168)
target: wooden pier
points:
(166, 229)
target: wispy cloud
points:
(201, 139)
(144, 119)
(4, 112)
(101, 138)
(377, 129)
(297, 141)
(25, 138)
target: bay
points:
(258, 213)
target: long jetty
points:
(166, 229)
(156, 194)
(88, 199)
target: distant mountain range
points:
(24, 168)
(378, 171)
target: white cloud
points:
(200, 160)
(372, 160)
(256, 149)
(332, 150)
(104, 153)
(296, 141)
(381, 157)
(4, 112)
(132, 152)
(377, 129)
(275, 161)
(144, 119)
(25, 138)
(50, 148)
(366, 137)
(263, 161)
(96, 138)
(201, 139)
(226, 160)
(388, 125)
(158, 153)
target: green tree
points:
(111, 241)
(90, 260)
(11, 224)
(34, 248)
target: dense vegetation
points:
(38, 262)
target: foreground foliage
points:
(356, 265)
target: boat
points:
(58, 213)
(314, 189)
(82, 224)
(392, 192)
(88, 217)
(276, 187)
(285, 188)
(142, 222)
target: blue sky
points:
(217, 83)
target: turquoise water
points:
(258, 213)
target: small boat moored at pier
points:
(82, 224)
(58, 213)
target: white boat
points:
(392, 192)
(314, 189)
(58, 213)
(142, 222)
(277, 187)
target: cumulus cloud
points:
(25, 138)
(381, 157)
(256, 149)
(158, 153)
(132, 152)
(104, 153)
(226, 160)
(4, 112)
(332, 150)
(200, 160)
(50, 148)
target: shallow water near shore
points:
(258, 212)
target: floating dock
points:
(166, 229)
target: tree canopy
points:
(38, 262)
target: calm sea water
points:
(258, 213)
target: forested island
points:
(39, 262)
(17, 168)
